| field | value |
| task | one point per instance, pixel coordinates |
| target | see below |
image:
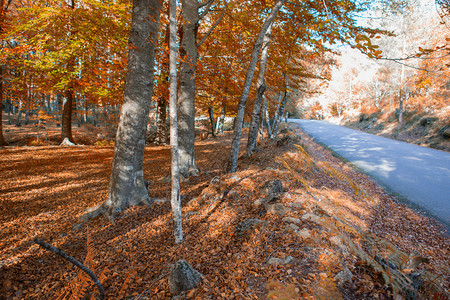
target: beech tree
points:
(186, 95)
(3, 8)
(261, 88)
(127, 186)
(323, 23)
(175, 200)
(71, 50)
(232, 165)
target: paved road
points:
(419, 174)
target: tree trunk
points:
(19, 114)
(66, 118)
(211, 120)
(221, 121)
(266, 119)
(9, 105)
(2, 139)
(402, 76)
(176, 199)
(279, 115)
(232, 165)
(401, 96)
(261, 86)
(127, 185)
(186, 96)
(161, 135)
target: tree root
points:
(107, 212)
(74, 262)
(67, 142)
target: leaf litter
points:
(340, 235)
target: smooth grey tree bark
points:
(232, 164)
(261, 87)
(186, 93)
(186, 96)
(279, 114)
(176, 199)
(66, 119)
(265, 121)
(221, 120)
(162, 132)
(127, 185)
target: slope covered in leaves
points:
(335, 232)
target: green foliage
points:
(104, 143)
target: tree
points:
(127, 186)
(72, 50)
(323, 24)
(2, 139)
(261, 88)
(192, 14)
(186, 96)
(232, 165)
(3, 9)
(176, 200)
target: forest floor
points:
(420, 128)
(332, 233)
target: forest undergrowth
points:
(332, 233)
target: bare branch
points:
(208, 5)
(406, 65)
(7, 5)
(74, 262)
(213, 26)
(208, 2)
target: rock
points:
(311, 217)
(260, 201)
(445, 132)
(343, 276)
(304, 234)
(292, 227)
(234, 178)
(374, 120)
(291, 220)
(247, 225)
(215, 181)
(182, 277)
(295, 205)
(277, 209)
(363, 117)
(232, 193)
(283, 140)
(337, 240)
(190, 214)
(273, 189)
(280, 261)
(77, 226)
(427, 121)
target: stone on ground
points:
(182, 277)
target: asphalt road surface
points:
(420, 175)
